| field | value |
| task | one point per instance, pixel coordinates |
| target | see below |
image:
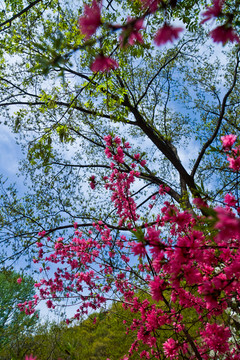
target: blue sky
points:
(11, 154)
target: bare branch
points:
(219, 122)
(160, 69)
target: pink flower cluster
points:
(213, 11)
(131, 32)
(92, 182)
(233, 153)
(178, 273)
(30, 357)
(103, 64)
(223, 33)
(119, 182)
(90, 21)
(167, 33)
(216, 337)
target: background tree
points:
(100, 336)
(97, 337)
(16, 328)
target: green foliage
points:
(102, 335)
(16, 328)
(138, 235)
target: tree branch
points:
(160, 69)
(23, 11)
(209, 141)
(162, 145)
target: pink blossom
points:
(228, 141)
(103, 63)
(108, 140)
(117, 140)
(119, 157)
(92, 181)
(152, 5)
(228, 224)
(153, 236)
(234, 163)
(230, 200)
(216, 337)
(163, 189)
(157, 288)
(223, 34)
(49, 304)
(92, 185)
(145, 355)
(138, 249)
(39, 244)
(200, 203)
(91, 19)
(167, 33)
(19, 280)
(130, 34)
(213, 11)
(170, 348)
(127, 145)
(42, 233)
(30, 357)
(108, 152)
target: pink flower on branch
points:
(103, 64)
(234, 163)
(157, 286)
(49, 304)
(230, 200)
(171, 348)
(228, 225)
(42, 233)
(228, 141)
(92, 182)
(216, 337)
(91, 19)
(138, 249)
(213, 11)
(223, 34)
(130, 34)
(30, 357)
(167, 33)
(152, 5)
